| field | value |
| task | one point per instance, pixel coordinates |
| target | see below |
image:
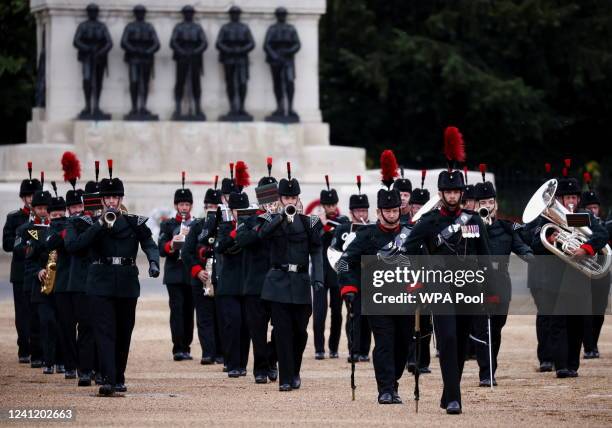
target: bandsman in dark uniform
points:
(330, 219)
(112, 280)
(172, 234)
(600, 288)
(558, 282)
(359, 207)
(256, 266)
(31, 240)
(198, 254)
(404, 187)
(294, 238)
(461, 236)
(504, 239)
(468, 199)
(229, 292)
(21, 299)
(391, 332)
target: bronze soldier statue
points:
(234, 43)
(188, 43)
(281, 45)
(140, 43)
(93, 42)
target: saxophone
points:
(49, 283)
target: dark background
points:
(526, 82)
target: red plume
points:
(547, 167)
(423, 174)
(587, 178)
(109, 162)
(289, 171)
(269, 165)
(568, 163)
(564, 172)
(42, 178)
(183, 179)
(483, 169)
(327, 181)
(359, 183)
(30, 169)
(242, 174)
(97, 168)
(71, 167)
(388, 167)
(454, 147)
(465, 171)
(216, 181)
(231, 165)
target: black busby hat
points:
(358, 200)
(484, 190)
(74, 197)
(589, 197)
(29, 186)
(328, 196)
(213, 195)
(454, 150)
(567, 185)
(420, 195)
(388, 198)
(57, 203)
(238, 201)
(111, 186)
(402, 184)
(227, 184)
(269, 179)
(41, 196)
(288, 186)
(182, 194)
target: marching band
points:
(251, 273)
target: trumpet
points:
(110, 215)
(290, 211)
(568, 238)
(485, 214)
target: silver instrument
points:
(544, 203)
(432, 204)
(110, 217)
(290, 211)
(485, 214)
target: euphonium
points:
(290, 211)
(544, 203)
(49, 283)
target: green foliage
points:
(17, 68)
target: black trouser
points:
(426, 332)
(452, 332)
(482, 333)
(113, 319)
(206, 320)
(181, 317)
(600, 290)
(290, 323)
(391, 338)
(74, 316)
(258, 317)
(50, 335)
(36, 352)
(362, 333)
(22, 319)
(235, 332)
(545, 353)
(219, 340)
(566, 335)
(319, 314)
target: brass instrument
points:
(485, 214)
(209, 290)
(110, 215)
(544, 203)
(290, 211)
(48, 284)
(178, 243)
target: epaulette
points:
(14, 212)
(266, 216)
(314, 219)
(140, 220)
(86, 219)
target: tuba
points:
(544, 203)
(48, 284)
